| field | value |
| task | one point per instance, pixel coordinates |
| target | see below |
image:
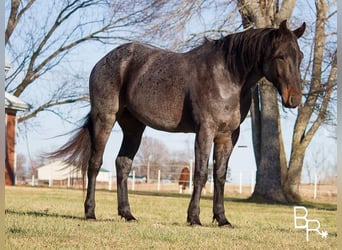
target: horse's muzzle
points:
(293, 101)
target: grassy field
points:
(43, 218)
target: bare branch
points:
(48, 105)
(15, 17)
(285, 11)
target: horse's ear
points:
(283, 26)
(300, 31)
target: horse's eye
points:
(281, 57)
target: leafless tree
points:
(276, 179)
(151, 156)
(21, 170)
(41, 37)
(320, 86)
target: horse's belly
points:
(162, 110)
(156, 94)
(165, 115)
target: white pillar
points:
(32, 183)
(148, 168)
(110, 181)
(252, 182)
(133, 180)
(158, 185)
(69, 183)
(212, 181)
(240, 182)
(315, 187)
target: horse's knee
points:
(220, 176)
(200, 178)
(123, 166)
(94, 166)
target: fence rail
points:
(159, 184)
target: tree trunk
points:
(291, 185)
(267, 139)
(268, 178)
(283, 161)
(305, 126)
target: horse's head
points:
(282, 63)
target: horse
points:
(183, 181)
(206, 91)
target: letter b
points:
(301, 217)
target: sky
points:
(42, 138)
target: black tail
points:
(77, 150)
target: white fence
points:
(241, 183)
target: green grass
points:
(43, 218)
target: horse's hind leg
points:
(102, 126)
(132, 133)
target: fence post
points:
(50, 181)
(133, 180)
(110, 181)
(252, 182)
(315, 187)
(158, 185)
(212, 181)
(190, 178)
(240, 189)
(32, 183)
(69, 183)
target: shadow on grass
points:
(307, 204)
(55, 215)
(42, 214)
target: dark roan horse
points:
(206, 91)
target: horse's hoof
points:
(194, 222)
(222, 221)
(128, 217)
(90, 217)
(226, 225)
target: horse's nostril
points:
(291, 100)
(294, 101)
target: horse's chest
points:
(226, 113)
(228, 120)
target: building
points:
(58, 171)
(12, 105)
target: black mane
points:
(244, 52)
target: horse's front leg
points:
(222, 149)
(203, 144)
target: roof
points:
(14, 103)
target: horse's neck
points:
(250, 59)
(252, 80)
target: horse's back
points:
(156, 88)
(153, 84)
